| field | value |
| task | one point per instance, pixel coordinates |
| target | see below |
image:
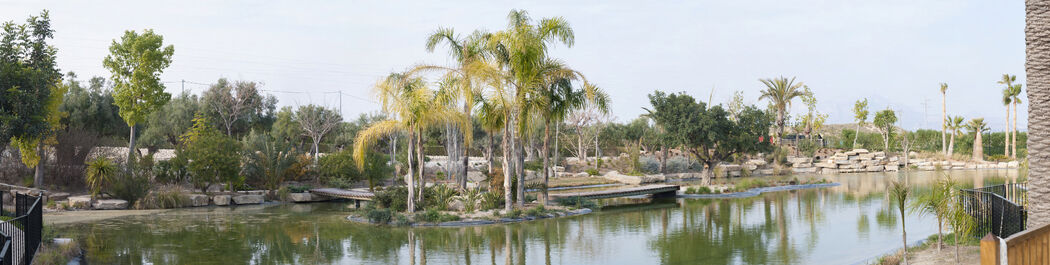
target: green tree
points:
(977, 127)
(884, 121)
(707, 132)
(27, 74)
(214, 157)
(136, 62)
(286, 128)
(172, 120)
(860, 114)
(780, 92)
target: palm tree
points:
(780, 91)
(944, 120)
(954, 124)
(409, 101)
(1007, 99)
(961, 222)
(461, 80)
(977, 127)
(1015, 98)
(899, 191)
(936, 202)
(860, 113)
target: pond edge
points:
(576, 212)
(757, 191)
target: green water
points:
(846, 224)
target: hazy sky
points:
(892, 52)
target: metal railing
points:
(999, 209)
(20, 235)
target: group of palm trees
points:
(952, 125)
(506, 80)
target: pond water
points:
(846, 224)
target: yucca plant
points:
(491, 199)
(470, 199)
(99, 172)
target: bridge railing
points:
(21, 231)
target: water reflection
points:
(830, 226)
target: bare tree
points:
(232, 102)
(316, 122)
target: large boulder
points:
(804, 170)
(826, 164)
(800, 160)
(301, 197)
(248, 199)
(221, 200)
(475, 176)
(1013, 164)
(198, 200)
(80, 202)
(110, 204)
(633, 180)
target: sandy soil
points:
(967, 254)
(69, 217)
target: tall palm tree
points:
(1007, 99)
(1015, 98)
(1037, 74)
(944, 120)
(780, 92)
(899, 191)
(977, 126)
(461, 79)
(954, 124)
(409, 101)
(521, 52)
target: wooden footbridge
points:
(661, 190)
(357, 195)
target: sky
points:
(892, 52)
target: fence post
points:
(990, 250)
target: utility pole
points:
(340, 102)
(184, 86)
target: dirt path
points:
(69, 217)
(930, 255)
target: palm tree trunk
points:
(508, 204)
(519, 165)
(904, 238)
(422, 167)
(557, 153)
(780, 126)
(1006, 133)
(546, 159)
(411, 174)
(944, 125)
(131, 145)
(1013, 154)
(951, 146)
(466, 151)
(488, 152)
(978, 148)
(663, 159)
(1037, 72)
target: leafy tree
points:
(860, 114)
(238, 106)
(707, 132)
(91, 108)
(884, 121)
(27, 73)
(32, 147)
(173, 119)
(341, 168)
(267, 162)
(287, 128)
(213, 157)
(316, 122)
(136, 63)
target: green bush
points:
(393, 198)
(379, 216)
(492, 200)
(576, 202)
(299, 189)
(163, 200)
(129, 186)
(429, 216)
(700, 190)
(401, 220)
(592, 172)
(514, 213)
(213, 157)
(748, 184)
(536, 211)
(172, 171)
(267, 161)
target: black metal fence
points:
(999, 209)
(21, 232)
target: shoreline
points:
(470, 223)
(757, 191)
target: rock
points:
(581, 175)
(842, 162)
(751, 167)
(875, 168)
(828, 171)
(765, 172)
(971, 166)
(1013, 164)
(850, 153)
(879, 153)
(804, 170)
(799, 160)
(80, 202)
(860, 151)
(853, 157)
(255, 192)
(301, 197)
(797, 165)
(729, 167)
(198, 200)
(866, 156)
(826, 164)
(475, 176)
(1001, 165)
(757, 162)
(633, 180)
(958, 164)
(221, 200)
(893, 168)
(110, 204)
(247, 199)
(58, 196)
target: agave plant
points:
(470, 198)
(99, 172)
(443, 196)
(491, 199)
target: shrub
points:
(283, 194)
(379, 216)
(129, 186)
(698, 190)
(536, 211)
(577, 202)
(678, 164)
(401, 219)
(429, 216)
(748, 184)
(299, 189)
(163, 200)
(100, 172)
(744, 171)
(592, 172)
(172, 171)
(514, 213)
(213, 157)
(534, 165)
(439, 196)
(649, 164)
(470, 199)
(394, 198)
(266, 160)
(492, 200)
